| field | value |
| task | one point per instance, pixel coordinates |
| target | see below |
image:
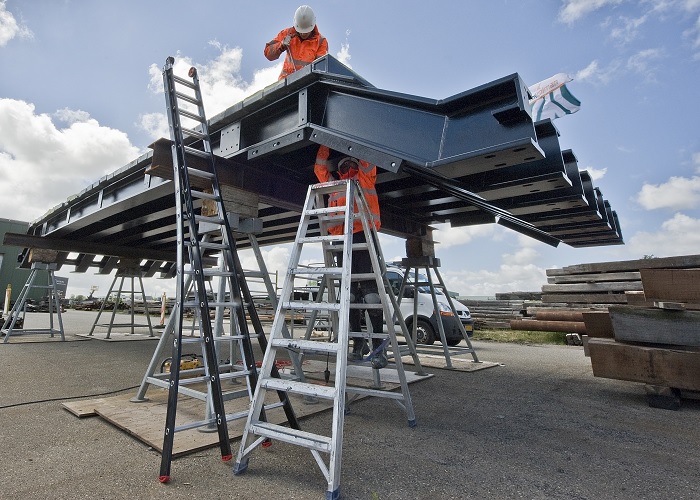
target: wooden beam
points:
(598, 324)
(675, 285)
(656, 326)
(649, 365)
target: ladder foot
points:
(266, 443)
(412, 423)
(164, 479)
(226, 458)
(240, 467)
(333, 495)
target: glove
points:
(285, 42)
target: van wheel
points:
(455, 341)
(424, 333)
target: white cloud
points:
(679, 235)
(641, 62)
(220, 81)
(596, 173)
(573, 10)
(508, 277)
(696, 159)
(595, 74)
(454, 236)
(43, 164)
(629, 30)
(9, 27)
(677, 193)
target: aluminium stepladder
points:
(338, 305)
(198, 235)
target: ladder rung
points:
(193, 133)
(210, 220)
(278, 384)
(210, 272)
(192, 116)
(187, 98)
(201, 154)
(292, 436)
(195, 151)
(184, 82)
(305, 345)
(196, 172)
(215, 246)
(203, 195)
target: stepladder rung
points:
(301, 271)
(353, 247)
(292, 436)
(360, 305)
(210, 272)
(305, 345)
(363, 276)
(328, 238)
(211, 303)
(295, 387)
(312, 306)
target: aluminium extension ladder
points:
(338, 305)
(195, 235)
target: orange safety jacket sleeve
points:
(321, 165)
(273, 48)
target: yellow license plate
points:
(468, 328)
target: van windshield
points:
(422, 278)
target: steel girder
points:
(473, 158)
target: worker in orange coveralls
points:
(302, 42)
(366, 175)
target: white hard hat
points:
(304, 19)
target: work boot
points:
(379, 360)
(359, 349)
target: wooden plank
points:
(598, 324)
(595, 277)
(676, 285)
(683, 261)
(585, 298)
(548, 326)
(649, 365)
(614, 286)
(656, 326)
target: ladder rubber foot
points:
(226, 458)
(240, 467)
(267, 443)
(164, 479)
(412, 423)
(333, 495)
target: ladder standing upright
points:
(196, 236)
(338, 305)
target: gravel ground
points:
(537, 426)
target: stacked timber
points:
(605, 283)
(494, 314)
(656, 341)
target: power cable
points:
(67, 397)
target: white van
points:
(426, 326)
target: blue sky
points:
(81, 96)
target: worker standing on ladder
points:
(302, 42)
(366, 175)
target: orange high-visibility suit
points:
(300, 52)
